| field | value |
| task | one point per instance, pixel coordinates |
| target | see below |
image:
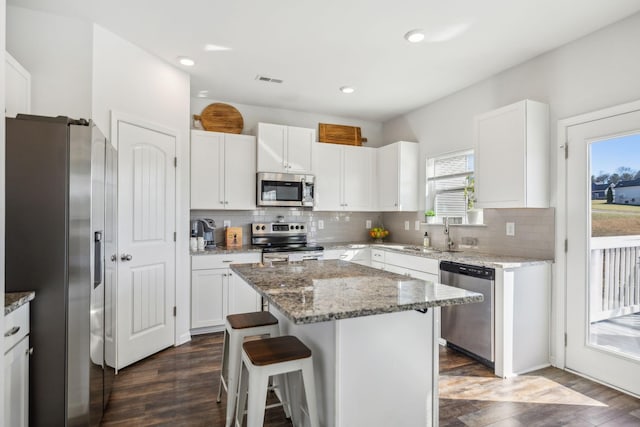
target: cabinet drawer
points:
(418, 263)
(377, 255)
(16, 326)
(204, 262)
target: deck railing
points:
(615, 277)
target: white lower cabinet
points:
(408, 265)
(360, 256)
(217, 292)
(16, 368)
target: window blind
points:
(449, 177)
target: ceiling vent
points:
(267, 79)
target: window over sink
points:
(449, 189)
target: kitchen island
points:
(374, 337)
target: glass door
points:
(603, 268)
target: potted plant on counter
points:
(474, 216)
(430, 216)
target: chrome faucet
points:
(449, 242)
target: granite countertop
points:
(222, 250)
(14, 300)
(461, 256)
(319, 291)
(464, 257)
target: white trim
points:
(559, 309)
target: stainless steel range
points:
(284, 241)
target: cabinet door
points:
(16, 385)
(242, 297)
(388, 162)
(207, 171)
(240, 172)
(271, 147)
(500, 157)
(299, 142)
(209, 297)
(327, 170)
(358, 171)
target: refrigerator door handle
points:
(97, 262)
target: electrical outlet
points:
(406, 225)
(417, 225)
(511, 229)
(227, 223)
(367, 224)
(320, 224)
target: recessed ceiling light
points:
(203, 94)
(187, 62)
(215, 48)
(414, 36)
(347, 89)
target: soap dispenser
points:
(425, 241)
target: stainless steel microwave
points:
(285, 189)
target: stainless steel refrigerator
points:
(60, 234)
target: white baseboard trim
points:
(183, 339)
(207, 330)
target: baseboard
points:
(183, 339)
(207, 330)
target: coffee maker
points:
(204, 228)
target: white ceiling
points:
(318, 46)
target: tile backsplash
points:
(534, 228)
(337, 226)
(534, 232)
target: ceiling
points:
(316, 47)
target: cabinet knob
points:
(126, 257)
(221, 202)
(29, 351)
(226, 203)
(114, 258)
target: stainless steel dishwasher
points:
(470, 328)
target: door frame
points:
(132, 119)
(559, 295)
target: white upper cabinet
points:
(397, 174)
(223, 171)
(512, 156)
(17, 87)
(344, 177)
(285, 149)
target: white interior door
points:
(595, 228)
(146, 225)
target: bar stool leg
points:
(310, 391)
(225, 362)
(258, 383)
(242, 395)
(235, 344)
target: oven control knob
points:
(291, 227)
(302, 227)
(257, 227)
(297, 227)
(262, 227)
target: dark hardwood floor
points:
(178, 386)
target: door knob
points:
(126, 257)
(114, 257)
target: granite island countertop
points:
(14, 300)
(319, 291)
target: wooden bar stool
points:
(268, 357)
(238, 327)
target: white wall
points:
(129, 80)
(56, 50)
(597, 71)
(592, 73)
(3, 9)
(252, 114)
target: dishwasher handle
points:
(477, 271)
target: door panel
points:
(146, 271)
(240, 172)
(299, 142)
(586, 269)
